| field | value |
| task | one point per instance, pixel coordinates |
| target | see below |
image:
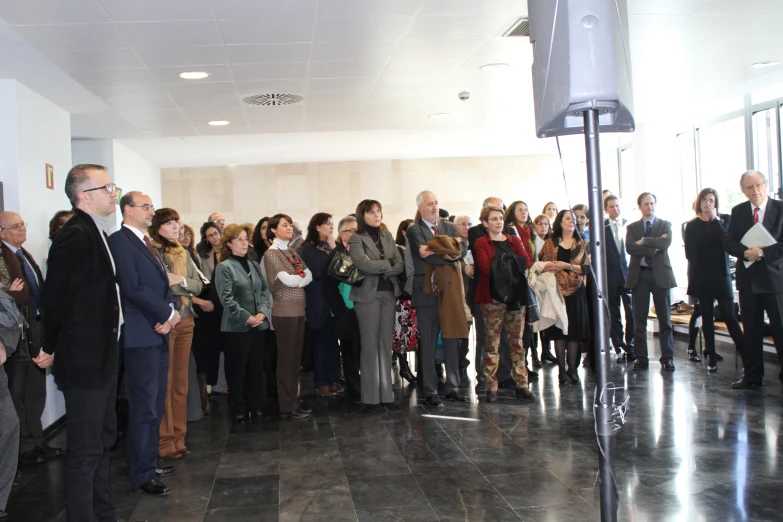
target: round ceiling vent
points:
(273, 99)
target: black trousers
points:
(350, 349)
(726, 307)
(619, 295)
(27, 385)
(662, 300)
(146, 378)
(752, 308)
(91, 432)
(245, 371)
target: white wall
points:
(34, 132)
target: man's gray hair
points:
(347, 219)
(486, 202)
(420, 197)
(297, 228)
(213, 214)
(748, 173)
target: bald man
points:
(26, 381)
(219, 220)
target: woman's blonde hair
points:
(230, 233)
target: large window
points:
(766, 147)
(722, 160)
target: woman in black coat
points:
(709, 278)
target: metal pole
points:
(603, 414)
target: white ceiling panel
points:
(346, 85)
(176, 132)
(259, 9)
(29, 12)
(350, 52)
(291, 126)
(143, 104)
(342, 8)
(97, 60)
(219, 102)
(670, 7)
(271, 86)
(118, 77)
(269, 71)
(345, 70)
(205, 114)
(326, 98)
(200, 90)
(265, 115)
(472, 7)
(364, 29)
(217, 73)
(267, 30)
(157, 10)
(71, 37)
(414, 59)
(235, 127)
(113, 93)
(268, 53)
(156, 57)
(154, 118)
(455, 27)
(746, 7)
(170, 34)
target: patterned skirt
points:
(406, 330)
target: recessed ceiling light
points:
(193, 75)
(494, 66)
(219, 123)
(440, 116)
(762, 65)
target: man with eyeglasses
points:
(760, 283)
(219, 220)
(26, 381)
(80, 305)
(336, 295)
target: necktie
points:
(756, 215)
(148, 244)
(32, 281)
(647, 232)
(435, 230)
(616, 230)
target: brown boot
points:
(524, 393)
(324, 391)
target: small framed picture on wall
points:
(49, 177)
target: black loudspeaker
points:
(582, 60)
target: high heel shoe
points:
(405, 372)
(712, 363)
(563, 378)
(547, 356)
(573, 376)
(693, 355)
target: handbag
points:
(533, 312)
(343, 269)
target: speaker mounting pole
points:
(604, 413)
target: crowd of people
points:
(136, 306)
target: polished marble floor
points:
(693, 450)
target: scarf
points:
(176, 261)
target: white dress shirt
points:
(762, 210)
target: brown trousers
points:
(174, 424)
(290, 339)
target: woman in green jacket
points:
(244, 294)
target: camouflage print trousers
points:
(495, 315)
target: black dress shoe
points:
(669, 365)
(718, 356)
(240, 420)
(392, 406)
(155, 488)
(631, 357)
(3, 514)
(31, 457)
(524, 393)
(532, 376)
(47, 451)
(435, 401)
(693, 356)
(573, 376)
(492, 396)
(164, 471)
(480, 387)
(456, 396)
(305, 408)
(742, 384)
(260, 416)
(640, 365)
(621, 357)
(296, 414)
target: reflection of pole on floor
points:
(602, 412)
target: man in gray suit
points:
(427, 306)
(650, 272)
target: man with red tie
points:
(760, 285)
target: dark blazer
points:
(616, 261)
(709, 275)
(347, 322)
(80, 307)
(474, 234)
(657, 248)
(22, 297)
(146, 295)
(367, 258)
(316, 311)
(418, 234)
(764, 276)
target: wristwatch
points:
(761, 252)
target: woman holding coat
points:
(244, 294)
(375, 254)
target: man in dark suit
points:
(760, 285)
(427, 306)
(616, 274)
(504, 370)
(80, 305)
(148, 305)
(26, 381)
(647, 241)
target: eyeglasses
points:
(213, 234)
(109, 188)
(145, 206)
(220, 221)
(16, 226)
(351, 230)
(708, 200)
(757, 186)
